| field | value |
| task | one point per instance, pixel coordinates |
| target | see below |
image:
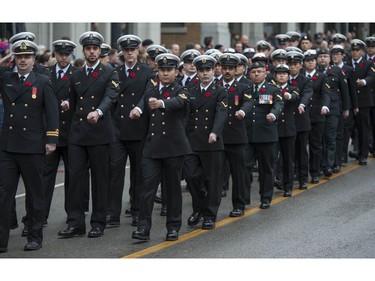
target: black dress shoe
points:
(237, 213)
(327, 172)
(172, 235)
(265, 205)
(3, 250)
(288, 193)
(353, 154)
(315, 180)
(163, 211)
(303, 185)
(70, 232)
(25, 231)
(278, 185)
(112, 222)
(158, 199)
(336, 169)
(134, 220)
(362, 162)
(32, 246)
(95, 232)
(194, 219)
(141, 234)
(208, 224)
(224, 193)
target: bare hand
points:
(154, 103)
(301, 109)
(212, 138)
(270, 117)
(240, 115)
(356, 110)
(134, 114)
(324, 111)
(360, 82)
(345, 113)
(50, 147)
(287, 96)
(65, 105)
(93, 117)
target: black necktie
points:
(60, 74)
(256, 89)
(22, 79)
(309, 76)
(162, 90)
(216, 80)
(89, 71)
(187, 81)
(203, 91)
(227, 85)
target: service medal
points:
(34, 92)
(236, 102)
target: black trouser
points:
(120, 151)
(30, 167)
(362, 122)
(329, 140)
(201, 172)
(302, 156)
(315, 148)
(266, 154)
(153, 172)
(350, 130)
(339, 141)
(249, 164)
(98, 155)
(286, 146)
(235, 153)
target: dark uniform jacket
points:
(166, 136)
(286, 125)
(207, 114)
(194, 81)
(132, 89)
(266, 100)
(320, 98)
(61, 88)
(88, 93)
(304, 85)
(365, 70)
(238, 99)
(31, 117)
(348, 72)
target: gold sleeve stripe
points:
(52, 134)
(183, 96)
(279, 97)
(328, 86)
(154, 82)
(115, 84)
(223, 103)
(296, 93)
(248, 96)
(373, 70)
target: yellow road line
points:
(248, 212)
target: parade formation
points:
(210, 117)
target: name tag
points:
(265, 99)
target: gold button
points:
(283, 120)
(282, 113)
(163, 123)
(206, 119)
(93, 97)
(25, 117)
(93, 108)
(152, 134)
(230, 107)
(196, 110)
(132, 94)
(162, 113)
(81, 98)
(153, 114)
(133, 105)
(80, 119)
(152, 124)
(196, 127)
(10, 127)
(13, 104)
(26, 105)
(122, 116)
(62, 111)
(122, 105)
(24, 129)
(63, 122)
(205, 127)
(121, 95)
(206, 110)
(196, 119)
(253, 120)
(163, 133)
(230, 115)
(81, 108)
(11, 116)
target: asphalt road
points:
(329, 225)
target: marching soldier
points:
(218, 75)
(240, 70)
(339, 104)
(61, 74)
(92, 95)
(267, 104)
(295, 37)
(207, 116)
(152, 52)
(166, 144)
(286, 127)
(318, 109)
(129, 133)
(302, 116)
(364, 77)
(30, 131)
(234, 133)
(282, 40)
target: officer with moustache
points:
(234, 133)
(364, 77)
(207, 117)
(165, 107)
(267, 104)
(302, 116)
(129, 133)
(93, 93)
(61, 73)
(30, 131)
(286, 127)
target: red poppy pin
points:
(166, 95)
(283, 91)
(343, 71)
(27, 84)
(361, 64)
(196, 80)
(132, 74)
(95, 74)
(207, 94)
(294, 83)
(64, 78)
(329, 69)
(231, 89)
(262, 90)
(313, 78)
(266, 67)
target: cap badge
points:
(91, 36)
(204, 60)
(23, 46)
(165, 60)
(63, 45)
(228, 57)
(157, 51)
(192, 55)
(128, 41)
